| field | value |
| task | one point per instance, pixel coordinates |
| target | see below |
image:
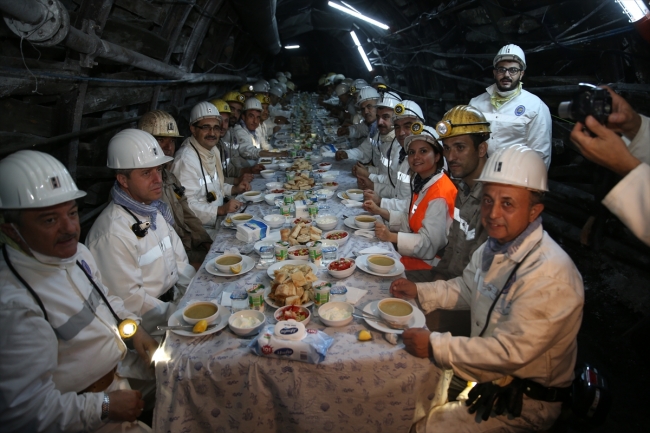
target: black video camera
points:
(590, 100)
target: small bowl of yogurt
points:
(335, 313)
(246, 322)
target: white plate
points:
(272, 303)
(177, 319)
(349, 222)
(362, 263)
(247, 265)
(417, 321)
(272, 236)
(254, 200)
(342, 195)
(278, 265)
(228, 226)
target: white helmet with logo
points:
(277, 91)
(407, 108)
(273, 82)
(282, 79)
(516, 165)
(30, 179)
(341, 89)
(133, 148)
(378, 80)
(389, 100)
(253, 104)
(367, 93)
(261, 86)
(511, 52)
(159, 124)
(202, 110)
(426, 133)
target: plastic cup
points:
(281, 251)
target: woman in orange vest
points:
(422, 232)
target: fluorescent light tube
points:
(358, 15)
(355, 39)
(634, 9)
(365, 58)
(292, 47)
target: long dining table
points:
(216, 383)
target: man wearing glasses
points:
(515, 115)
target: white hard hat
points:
(279, 74)
(261, 86)
(378, 80)
(359, 84)
(510, 52)
(287, 74)
(253, 104)
(282, 79)
(367, 93)
(339, 77)
(341, 88)
(516, 165)
(30, 179)
(133, 148)
(348, 81)
(389, 100)
(202, 110)
(277, 91)
(283, 86)
(290, 85)
(426, 133)
(273, 82)
(407, 108)
(159, 124)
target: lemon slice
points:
(364, 335)
(228, 220)
(200, 326)
(235, 269)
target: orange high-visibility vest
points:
(443, 188)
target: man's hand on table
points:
(364, 183)
(246, 177)
(144, 344)
(341, 154)
(243, 186)
(404, 289)
(360, 170)
(416, 342)
(369, 194)
(230, 207)
(371, 206)
(256, 169)
(343, 131)
(125, 405)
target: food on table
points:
(300, 195)
(336, 313)
(242, 217)
(331, 184)
(396, 308)
(337, 236)
(304, 221)
(364, 335)
(302, 182)
(200, 326)
(300, 164)
(265, 161)
(320, 170)
(201, 311)
(277, 191)
(284, 234)
(340, 264)
(324, 164)
(292, 285)
(300, 252)
(303, 233)
(229, 260)
(366, 219)
(246, 322)
(235, 269)
(293, 312)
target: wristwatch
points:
(105, 407)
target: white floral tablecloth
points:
(214, 383)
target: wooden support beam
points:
(20, 117)
(143, 9)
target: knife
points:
(181, 327)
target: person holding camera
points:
(629, 200)
(515, 115)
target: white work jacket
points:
(262, 136)
(533, 327)
(187, 168)
(139, 270)
(525, 120)
(629, 200)
(231, 147)
(374, 150)
(432, 236)
(395, 197)
(249, 145)
(276, 110)
(44, 364)
(359, 130)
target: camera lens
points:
(564, 110)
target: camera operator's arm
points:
(629, 200)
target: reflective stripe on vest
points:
(464, 225)
(403, 177)
(155, 253)
(443, 188)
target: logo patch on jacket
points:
(520, 110)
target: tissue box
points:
(252, 231)
(312, 348)
(301, 208)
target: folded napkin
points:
(370, 234)
(374, 250)
(225, 299)
(354, 294)
(351, 203)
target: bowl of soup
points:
(226, 261)
(365, 221)
(241, 218)
(253, 196)
(395, 311)
(355, 194)
(380, 263)
(268, 174)
(202, 310)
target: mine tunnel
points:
(76, 73)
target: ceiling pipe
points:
(30, 15)
(258, 17)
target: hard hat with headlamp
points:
(348, 81)
(378, 80)
(264, 99)
(389, 100)
(338, 78)
(406, 109)
(358, 84)
(420, 132)
(283, 86)
(253, 104)
(234, 96)
(133, 148)
(511, 52)
(273, 82)
(245, 88)
(261, 86)
(516, 165)
(277, 91)
(282, 79)
(366, 94)
(221, 105)
(341, 89)
(159, 124)
(291, 86)
(30, 179)
(288, 75)
(279, 74)
(203, 110)
(461, 120)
